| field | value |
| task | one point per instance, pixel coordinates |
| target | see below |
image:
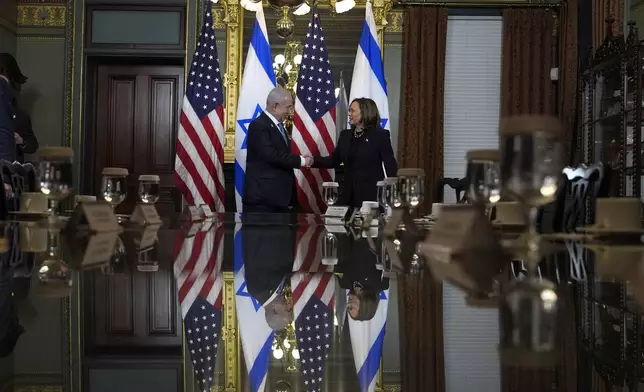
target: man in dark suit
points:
(270, 179)
(268, 260)
(8, 68)
(26, 141)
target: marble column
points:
(8, 14)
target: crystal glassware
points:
(329, 249)
(55, 173)
(330, 192)
(381, 195)
(531, 165)
(149, 188)
(114, 185)
(411, 187)
(483, 178)
(392, 196)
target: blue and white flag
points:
(366, 342)
(368, 72)
(258, 80)
(342, 108)
(256, 335)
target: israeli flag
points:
(368, 72)
(258, 80)
(366, 341)
(256, 335)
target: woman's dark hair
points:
(368, 112)
(369, 301)
(9, 68)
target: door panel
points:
(136, 127)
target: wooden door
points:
(137, 118)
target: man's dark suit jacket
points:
(7, 138)
(22, 123)
(269, 165)
(364, 169)
(268, 258)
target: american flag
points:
(313, 298)
(200, 155)
(314, 120)
(197, 266)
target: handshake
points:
(308, 160)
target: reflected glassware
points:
(392, 196)
(55, 173)
(329, 249)
(483, 177)
(114, 185)
(531, 164)
(382, 194)
(149, 188)
(330, 192)
(528, 323)
(411, 187)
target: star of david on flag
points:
(258, 80)
(368, 79)
(244, 123)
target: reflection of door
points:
(136, 123)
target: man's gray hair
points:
(277, 96)
(276, 321)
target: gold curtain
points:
(421, 131)
(528, 46)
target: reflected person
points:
(8, 67)
(363, 150)
(268, 261)
(26, 141)
(363, 280)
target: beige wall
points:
(8, 26)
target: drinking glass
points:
(114, 185)
(531, 164)
(483, 178)
(330, 192)
(149, 188)
(382, 194)
(392, 196)
(329, 249)
(55, 172)
(411, 187)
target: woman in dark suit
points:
(363, 149)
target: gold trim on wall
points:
(231, 339)
(234, 46)
(233, 19)
(41, 15)
(394, 22)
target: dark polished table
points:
(281, 303)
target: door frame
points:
(87, 178)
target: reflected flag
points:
(366, 342)
(197, 269)
(199, 161)
(256, 335)
(308, 248)
(313, 303)
(258, 80)
(368, 79)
